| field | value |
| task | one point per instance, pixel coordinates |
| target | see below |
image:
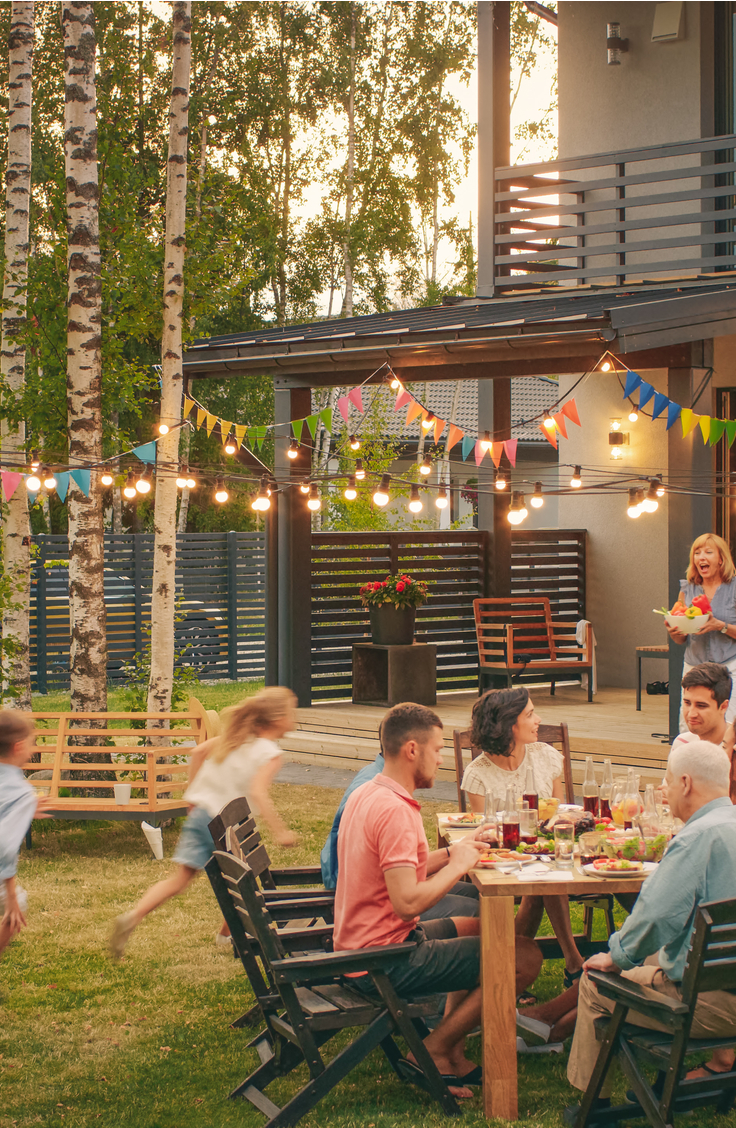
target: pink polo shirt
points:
(381, 829)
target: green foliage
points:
(401, 591)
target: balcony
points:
(615, 218)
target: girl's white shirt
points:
(215, 784)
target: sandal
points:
(526, 999)
(570, 978)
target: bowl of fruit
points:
(687, 620)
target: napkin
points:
(544, 873)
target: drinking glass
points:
(528, 826)
(564, 844)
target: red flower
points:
(400, 586)
(377, 585)
(382, 584)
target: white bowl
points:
(685, 625)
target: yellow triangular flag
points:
(240, 431)
(188, 405)
(201, 416)
(225, 430)
(705, 427)
(689, 419)
(413, 410)
(211, 420)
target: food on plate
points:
(466, 817)
(542, 846)
(582, 821)
(500, 856)
(616, 865)
(632, 847)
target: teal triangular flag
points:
(81, 477)
(633, 381)
(673, 413)
(717, 427)
(468, 445)
(312, 424)
(326, 417)
(646, 391)
(62, 485)
(146, 452)
(660, 403)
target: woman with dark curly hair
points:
(505, 728)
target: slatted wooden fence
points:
(551, 562)
(221, 584)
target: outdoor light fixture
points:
(221, 494)
(633, 414)
(415, 502)
(350, 493)
(314, 501)
(354, 442)
(293, 451)
(426, 466)
(548, 423)
(606, 366)
(163, 428)
(230, 445)
(35, 461)
(304, 486)
(514, 516)
(537, 498)
(576, 481)
(660, 490)
(190, 483)
(499, 480)
(181, 480)
(634, 509)
(381, 496)
(485, 442)
(429, 421)
(143, 485)
(650, 503)
(33, 483)
(615, 44)
(442, 499)
(615, 425)
(49, 480)
(106, 478)
(359, 471)
(129, 489)
(262, 501)
(617, 439)
(395, 385)
(617, 453)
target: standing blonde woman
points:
(245, 760)
(711, 573)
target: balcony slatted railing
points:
(615, 218)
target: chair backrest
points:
(236, 815)
(557, 735)
(711, 961)
(532, 629)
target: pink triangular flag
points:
(496, 452)
(510, 447)
(11, 482)
(479, 452)
(355, 397)
(402, 398)
(343, 406)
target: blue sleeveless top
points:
(713, 646)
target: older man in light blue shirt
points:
(651, 947)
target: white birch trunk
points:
(88, 643)
(16, 525)
(163, 596)
(347, 305)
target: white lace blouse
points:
(483, 775)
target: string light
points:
(650, 503)
(354, 442)
(606, 366)
(230, 445)
(350, 493)
(381, 496)
(514, 516)
(221, 494)
(548, 423)
(262, 501)
(314, 501)
(49, 480)
(634, 509)
(429, 421)
(359, 471)
(163, 428)
(143, 485)
(293, 451)
(633, 414)
(35, 461)
(524, 512)
(415, 502)
(426, 466)
(537, 498)
(190, 483)
(576, 481)
(485, 442)
(441, 499)
(395, 385)
(129, 489)
(33, 483)
(304, 487)
(106, 478)
(499, 480)
(660, 487)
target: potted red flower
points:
(392, 605)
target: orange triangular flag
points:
(571, 411)
(454, 436)
(549, 434)
(496, 452)
(559, 419)
(439, 426)
(413, 410)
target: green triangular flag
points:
(717, 427)
(312, 424)
(297, 426)
(258, 434)
(326, 417)
(731, 430)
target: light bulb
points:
(230, 445)
(35, 461)
(129, 489)
(354, 442)
(634, 509)
(181, 482)
(606, 366)
(293, 451)
(359, 471)
(650, 503)
(660, 490)
(514, 516)
(262, 501)
(633, 415)
(221, 494)
(395, 385)
(190, 483)
(616, 453)
(485, 442)
(499, 480)
(415, 502)
(106, 478)
(548, 423)
(428, 421)
(163, 428)
(576, 481)
(314, 501)
(615, 425)
(304, 487)
(426, 466)
(523, 511)
(33, 483)
(442, 499)
(143, 485)
(537, 498)
(381, 496)
(350, 493)
(49, 481)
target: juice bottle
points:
(510, 824)
(631, 801)
(606, 790)
(530, 794)
(590, 788)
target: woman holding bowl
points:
(505, 728)
(711, 573)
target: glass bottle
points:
(489, 826)
(510, 825)
(590, 789)
(631, 800)
(606, 792)
(530, 794)
(618, 795)
(650, 818)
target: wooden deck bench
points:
(519, 635)
(54, 740)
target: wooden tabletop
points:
(494, 883)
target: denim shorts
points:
(195, 845)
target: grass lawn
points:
(213, 695)
(146, 1042)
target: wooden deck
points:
(344, 735)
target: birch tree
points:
(88, 642)
(16, 526)
(164, 551)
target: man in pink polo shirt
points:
(388, 876)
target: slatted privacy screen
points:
(220, 579)
(550, 562)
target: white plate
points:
(649, 867)
(492, 863)
(447, 820)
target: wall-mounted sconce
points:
(617, 439)
(615, 44)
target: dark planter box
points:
(392, 626)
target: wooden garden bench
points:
(54, 735)
(517, 636)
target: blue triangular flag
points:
(62, 485)
(146, 453)
(660, 403)
(646, 391)
(633, 381)
(81, 477)
(673, 413)
(468, 445)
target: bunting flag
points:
(62, 485)
(356, 397)
(704, 424)
(201, 415)
(343, 406)
(225, 430)
(326, 417)
(689, 420)
(414, 409)
(439, 426)
(468, 444)
(646, 391)
(188, 405)
(210, 423)
(479, 452)
(454, 435)
(82, 478)
(402, 398)
(660, 403)
(146, 453)
(633, 381)
(258, 435)
(11, 481)
(496, 452)
(240, 432)
(717, 427)
(673, 413)
(297, 426)
(731, 430)
(312, 421)
(559, 419)
(570, 411)
(549, 434)
(510, 446)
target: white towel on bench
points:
(580, 639)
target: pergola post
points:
(494, 415)
(494, 128)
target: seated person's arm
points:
(558, 789)
(410, 897)
(477, 803)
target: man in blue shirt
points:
(652, 945)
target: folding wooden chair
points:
(306, 1002)
(238, 814)
(711, 966)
